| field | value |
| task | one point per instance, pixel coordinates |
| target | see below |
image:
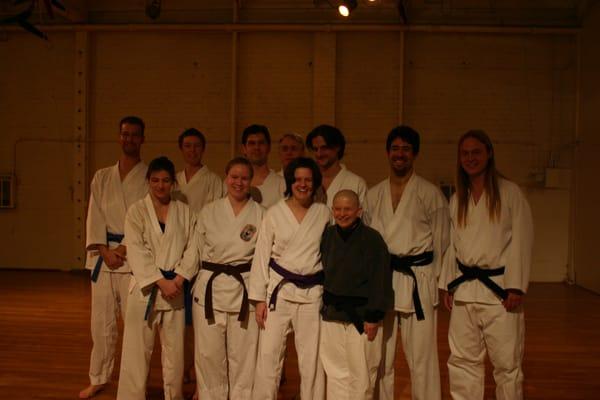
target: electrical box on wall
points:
(7, 190)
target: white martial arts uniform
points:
(149, 250)
(419, 224)
(478, 321)
(225, 355)
(109, 200)
(295, 247)
(271, 190)
(204, 187)
(347, 180)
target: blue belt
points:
(169, 275)
(110, 237)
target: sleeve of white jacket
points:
(96, 221)
(187, 267)
(139, 255)
(518, 266)
(439, 218)
(259, 273)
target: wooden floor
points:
(45, 342)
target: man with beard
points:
(113, 190)
(328, 144)
(267, 186)
(412, 216)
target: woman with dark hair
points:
(226, 334)
(162, 252)
(287, 274)
(486, 273)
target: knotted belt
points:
(482, 275)
(301, 281)
(169, 275)
(347, 304)
(110, 237)
(403, 264)
(231, 270)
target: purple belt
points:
(301, 281)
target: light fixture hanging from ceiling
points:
(346, 7)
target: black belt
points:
(347, 304)
(231, 270)
(110, 237)
(482, 275)
(403, 264)
(301, 281)
(169, 275)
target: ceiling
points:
(529, 13)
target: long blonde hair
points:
(463, 184)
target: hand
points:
(514, 299)
(448, 298)
(179, 280)
(112, 258)
(261, 312)
(168, 289)
(371, 330)
(122, 252)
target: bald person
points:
(357, 294)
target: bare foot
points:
(90, 391)
(195, 396)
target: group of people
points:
(309, 250)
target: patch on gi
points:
(248, 232)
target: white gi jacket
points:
(149, 249)
(488, 244)
(294, 246)
(419, 224)
(109, 200)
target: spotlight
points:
(346, 7)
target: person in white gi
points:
(486, 274)
(328, 145)
(225, 326)
(162, 251)
(287, 274)
(291, 146)
(112, 191)
(412, 216)
(196, 184)
(357, 294)
(267, 186)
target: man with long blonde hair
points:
(486, 273)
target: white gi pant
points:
(419, 342)
(225, 354)
(475, 328)
(350, 361)
(305, 321)
(109, 298)
(138, 343)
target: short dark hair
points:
(407, 134)
(256, 129)
(332, 136)
(192, 132)
(161, 163)
(290, 174)
(239, 161)
(133, 120)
